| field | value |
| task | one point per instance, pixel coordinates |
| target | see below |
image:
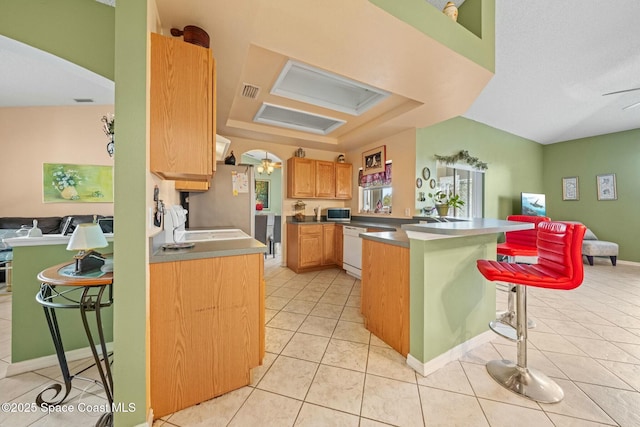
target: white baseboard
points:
(455, 353)
(628, 262)
(52, 360)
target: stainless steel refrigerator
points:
(229, 202)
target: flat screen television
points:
(533, 204)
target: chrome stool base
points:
(505, 325)
(526, 382)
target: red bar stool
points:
(559, 267)
(517, 244)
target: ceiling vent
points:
(250, 91)
(321, 88)
(295, 119)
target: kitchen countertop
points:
(364, 224)
(397, 238)
(211, 249)
(44, 240)
(472, 227)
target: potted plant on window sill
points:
(444, 201)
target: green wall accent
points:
(79, 31)
(515, 163)
(433, 23)
(470, 16)
(614, 220)
(450, 301)
(30, 337)
(131, 170)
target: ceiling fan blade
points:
(621, 91)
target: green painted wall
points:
(432, 22)
(79, 31)
(450, 302)
(615, 220)
(29, 331)
(515, 164)
(131, 171)
(470, 16)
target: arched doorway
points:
(268, 184)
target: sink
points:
(211, 235)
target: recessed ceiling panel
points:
(296, 119)
(321, 88)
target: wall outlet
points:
(407, 211)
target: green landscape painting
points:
(67, 183)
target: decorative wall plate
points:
(419, 183)
(432, 183)
(426, 173)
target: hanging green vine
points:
(463, 156)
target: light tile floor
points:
(323, 368)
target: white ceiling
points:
(31, 77)
(554, 60)
(553, 63)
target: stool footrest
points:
(526, 382)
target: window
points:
(375, 192)
(468, 183)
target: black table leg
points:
(104, 369)
(52, 321)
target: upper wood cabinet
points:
(301, 181)
(182, 110)
(325, 179)
(318, 179)
(344, 180)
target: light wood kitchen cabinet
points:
(385, 293)
(325, 179)
(301, 178)
(182, 110)
(328, 244)
(344, 180)
(193, 186)
(206, 328)
(311, 246)
(318, 179)
(339, 244)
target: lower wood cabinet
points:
(385, 293)
(310, 246)
(206, 328)
(339, 244)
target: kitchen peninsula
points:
(206, 309)
(449, 302)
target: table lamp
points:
(84, 239)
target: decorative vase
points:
(443, 210)
(451, 11)
(69, 193)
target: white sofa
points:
(591, 247)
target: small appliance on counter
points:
(174, 220)
(339, 214)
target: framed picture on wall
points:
(607, 186)
(373, 161)
(72, 183)
(570, 189)
(263, 194)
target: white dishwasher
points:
(352, 250)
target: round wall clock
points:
(426, 173)
(419, 183)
